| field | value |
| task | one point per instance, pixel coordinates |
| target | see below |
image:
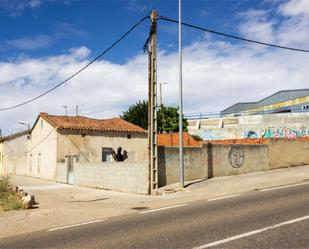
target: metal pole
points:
(181, 166)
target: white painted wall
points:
(14, 156)
(42, 151)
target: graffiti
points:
(236, 156)
(208, 134)
(277, 133)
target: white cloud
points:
(31, 43)
(16, 7)
(216, 75)
(295, 8)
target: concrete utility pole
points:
(161, 98)
(152, 104)
(76, 110)
(181, 164)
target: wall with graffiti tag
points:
(277, 133)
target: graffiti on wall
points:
(208, 134)
(277, 133)
(236, 156)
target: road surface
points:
(277, 218)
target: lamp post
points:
(161, 98)
(181, 162)
(26, 124)
(66, 109)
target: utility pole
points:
(152, 103)
(76, 110)
(181, 163)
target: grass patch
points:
(9, 200)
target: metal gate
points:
(70, 164)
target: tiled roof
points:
(172, 139)
(15, 135)
(90, 124)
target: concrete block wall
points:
(212, 160)
(169, 164)
(288, 152)
(125, 177)
(255, 159)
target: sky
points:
(42, 42)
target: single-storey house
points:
(13, 153)
(57, 139)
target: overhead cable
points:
(80, 70)
(233, 36)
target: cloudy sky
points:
(44, 41)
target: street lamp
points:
(162, 83)
(23, 123)
(181, 160)
(66, 109)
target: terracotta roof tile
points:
(172, 139)
(90, 124)
(15, 135)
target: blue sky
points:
(45, 41)
(48, 28)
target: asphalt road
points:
(277, 218)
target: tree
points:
(168, 118)
(137, 114)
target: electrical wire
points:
(233, 36)
(80, 70)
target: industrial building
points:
(286, 101)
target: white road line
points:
(75, 225)
(164, 208)
(286, 186)
(223, 197)
(219, 242)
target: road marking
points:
(219, 242)
(286, 186)
(223, 197)
(75, 225)
(164, 208)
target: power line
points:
(233, 36)
(80, 70)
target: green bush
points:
(9, 200)
(4, 188)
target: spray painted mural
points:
(277, 133)
(208, 134)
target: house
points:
(58, 139)
(13, 153)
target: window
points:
(42, 123)
(107, 155)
